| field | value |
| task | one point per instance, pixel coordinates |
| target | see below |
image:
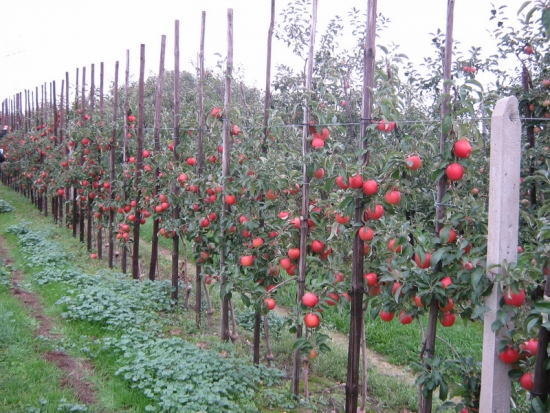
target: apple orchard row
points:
(208, 219)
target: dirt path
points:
(75, 371)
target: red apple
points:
(371, 279)
(342, 219)
(230, 199)
(405, 318)
(514, 299)
(447, 307)
(285, 263)
(392, 248)
(370, 187)
(270, 303)
(393, 197)
(447, 238)
(332, 299)
(366, 234)
(455, 171)
(356, 181)
(447, 319)
(312, 320)
(426, 263)
(257, 242)
(377, 214)
(217, 113)
(386, 315)
(527, 382)
(413, 162)
(462, 148)
(247, 260)
(294, 253)
(340, 182)
(319, 173)
(310, 300)
(317, 246)
(446, 281)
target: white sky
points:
(43, 39)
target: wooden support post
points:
(504, 181)
(158, 108)
(224, 323)
(356, 317)
(139, 164)
(304, 228)
(112, 166)
(177, 208)
(198, 270)
(267, 103)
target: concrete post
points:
(504, 181)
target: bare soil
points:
(75, 371)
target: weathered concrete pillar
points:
(504, 182)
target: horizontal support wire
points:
(358, 123)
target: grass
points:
(327, 371)
(387, 338)
(27, 381)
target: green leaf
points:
(524, 5)
(515, 373)
(545, 20)
(437, 174)
(495, 326)
(443, 391)
(532, 323)
(479, 312)
(299, 343)
(436, 256)
(346, 202)
(245, 299)
(538, 405)
(475, 83)
(447, 124)
(529, 15)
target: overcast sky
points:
(43, 39)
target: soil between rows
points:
(75, 371)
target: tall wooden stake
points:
(100, 123)
(305, 199)
(356, 319)
(139, 162)
(81, 204)
(177, 209)
(124, 252)
(425, 402)
(200, 137)
(529, 131)
(112, 166)
(65, 116)
(158, 109)
(90, 201)
(224, 324)
(267, 99)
